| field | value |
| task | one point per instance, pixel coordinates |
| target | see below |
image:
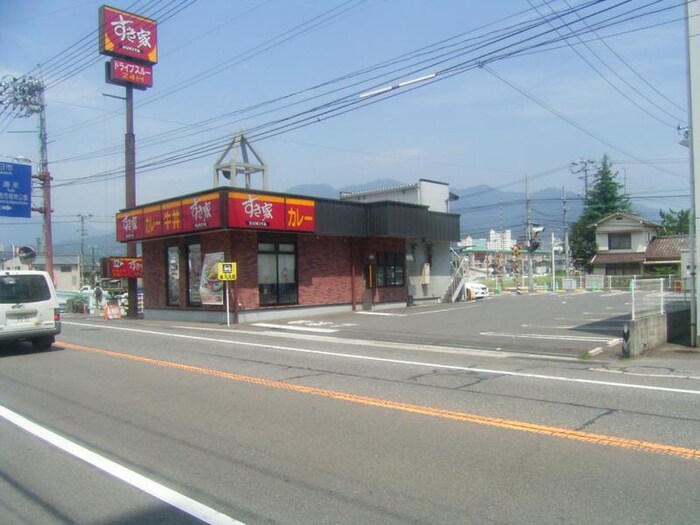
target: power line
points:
(306, 117)
(617, 75)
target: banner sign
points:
(130, 226)
(171, 218)
(201, 213)
(152, 221)
(206, 212)
(300, 214)
(127, 35)
(124, 267)
(270, 212)
(127, 72)
(249, 210)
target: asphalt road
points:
(552, 324)
(139, 421)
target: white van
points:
(28, 308)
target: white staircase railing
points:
(460, 270)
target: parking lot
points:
(562, 324)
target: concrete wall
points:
(653, 331)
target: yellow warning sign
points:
(226, 271)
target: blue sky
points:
(620, 90)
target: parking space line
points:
(296, 327)
(606, 340)
(386, 314)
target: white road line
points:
(600, 327)
(396, 361)
(552, 337)
(153, 488)
(297, 328)
(387, 314)
(426, 312)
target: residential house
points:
(630, 245)
(664, 254)
(66, 269)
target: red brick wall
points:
(154, 272)
(324, 268)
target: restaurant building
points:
(294, 254)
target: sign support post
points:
(227, 272)
(228, 310)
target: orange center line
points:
(563, 433)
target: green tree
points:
(604, 198)
(675, 222)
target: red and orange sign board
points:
(127, 72)
(130, 226)
(300, 214)
(250, 210)
(127, 35)
(205, 212)
(201, 213)
(171, 217)
(152, 221)
(124, 267)
(270, 212)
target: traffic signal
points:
(534, 244)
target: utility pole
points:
(94, 271)
(579, 166)
(692, 10)
(567, 262)
(528, 218)
(25, 97)
(554, 267)
(83, 235)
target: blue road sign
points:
(15, 190)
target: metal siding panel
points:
(340, 218)
(384, 219)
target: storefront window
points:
(390, 269)
(173, 277)
(277, 275)
(194, 273)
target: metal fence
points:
(657, 296)
(651, 295)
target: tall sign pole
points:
(692, 11)
(132, 42)
(130, 192)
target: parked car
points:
(474, 290)
(28, 308)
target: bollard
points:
(625, 340)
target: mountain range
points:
(482, 208)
